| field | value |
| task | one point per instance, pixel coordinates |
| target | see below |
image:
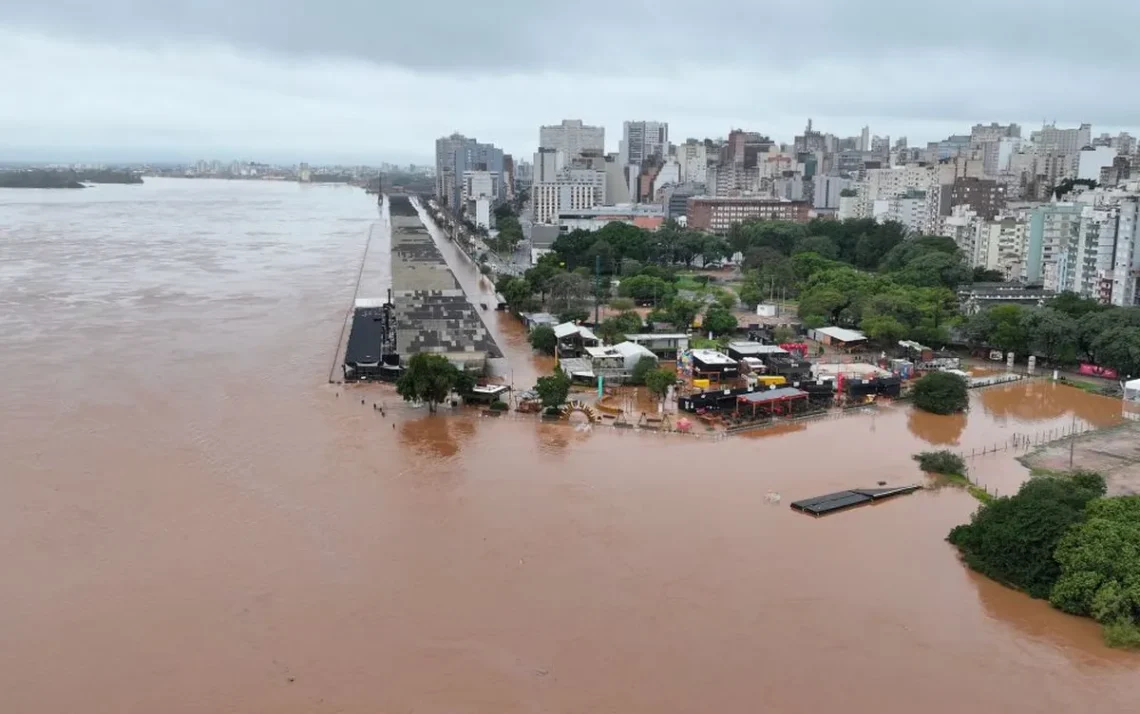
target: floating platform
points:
(841, 500)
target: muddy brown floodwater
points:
(191, 519)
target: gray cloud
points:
(601, 34)
(322, 79)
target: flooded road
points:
(191, 519)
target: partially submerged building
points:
(614, 363)
(420, 307)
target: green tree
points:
(516, 291)
(1074, 305)
(719, 321)
(982, 275)
(941, 393)
(569, 292)
(543, 339)
(726, 299)
(1052, 335)
(935, 269)
(783, 334)
(1013, 539)
(553, 389)
(903, 253)
(646, 289)
(820, 245)
(614, 329)
(883, 329)
(644, 366)
(427, 378)
(623, 304)
(682, 312)
(658, 382)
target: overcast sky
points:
(370, 80)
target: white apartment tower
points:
(572, 137)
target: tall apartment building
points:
(694, 160)
(572, 138)
(1062, 141)
(454, 156)
(985, 196)
(916, 210)
(642, 139)
(1053, 231)
(982, 133)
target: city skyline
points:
(128, 80)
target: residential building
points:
(912, 209)
(1053, 232)
(985, 196)
(572, 138)
(1090, 161)
(455, 155)
(982, 133)
(642, 139)
(717, 214)
(694, 160)
(1050, 139)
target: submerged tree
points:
(941, 393)
(553, 389)
(543, 339)
(428, 378)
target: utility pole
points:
(1072, 440)
(597, 289)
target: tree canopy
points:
(543, 339)
(658, 381)
(428, 378)
(941, 393)
(1012, 540)
(553, 389)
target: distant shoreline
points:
(65, 179)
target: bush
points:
(941, 462)
(1013, 539)
(941, 393)
(643, 367)
(553, 389)
(552, 412)
(1099, 561)
(499, 406)
(543, 339)
(622, 304)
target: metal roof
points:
(772, 395)
(842, 334)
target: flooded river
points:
(191, 519)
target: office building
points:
(718, 215)
(642, 139)
(572, 138)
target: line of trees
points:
(1066, 329)
(1059, 538)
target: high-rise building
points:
(642, 139)
(865, 139)
(985, 197)
(456, 155)
(1050, 139)
(572, 137)
(694, 160)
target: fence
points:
(1025, 442)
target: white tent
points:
(1132, 391)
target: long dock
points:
(842, 500)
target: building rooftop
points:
(771, 395)
(842, 334)
(712, 357)
(751, 349)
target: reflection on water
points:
(937, 429)
(186, 497)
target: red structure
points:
(797, 348)
(774, 402)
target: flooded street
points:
(191, 519)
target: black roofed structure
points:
(840, 500)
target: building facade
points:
(572, 138)
(718, 215)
